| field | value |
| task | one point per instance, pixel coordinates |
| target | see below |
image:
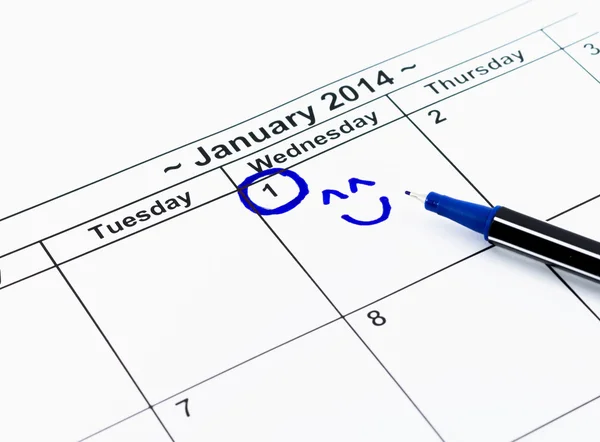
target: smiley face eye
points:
(354, 182)
(327, 195)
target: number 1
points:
(270, 189)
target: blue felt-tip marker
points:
(523, 234)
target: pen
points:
(520, 233)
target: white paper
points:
(142, 298)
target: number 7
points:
(185, 401)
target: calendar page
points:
(271, 281)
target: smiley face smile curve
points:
(387, 208)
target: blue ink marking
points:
(355, 181)
(255, 208)
(387, 208)
(327, 195)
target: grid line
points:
(562, 48)
(555, 419)
(572, 290)
(113, 425)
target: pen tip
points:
(417, 196)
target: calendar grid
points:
(309, 129)
(89, 314)
(341, 316)
(289, 341)
(302, 131)
(344, 317)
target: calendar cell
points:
(516, 143)
(60, 380)
(490, 348)
(323, 386)
(355, 226)
(188, 298)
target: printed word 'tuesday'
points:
(157, 209)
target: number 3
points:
(595, 50)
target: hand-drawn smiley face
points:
(354, 182)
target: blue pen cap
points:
(473, 216)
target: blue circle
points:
(253, 207)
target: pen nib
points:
(417, 196)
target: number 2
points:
(333, 104)
(438, 114)
(594, 49)
(185, 401)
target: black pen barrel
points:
(545, 242)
